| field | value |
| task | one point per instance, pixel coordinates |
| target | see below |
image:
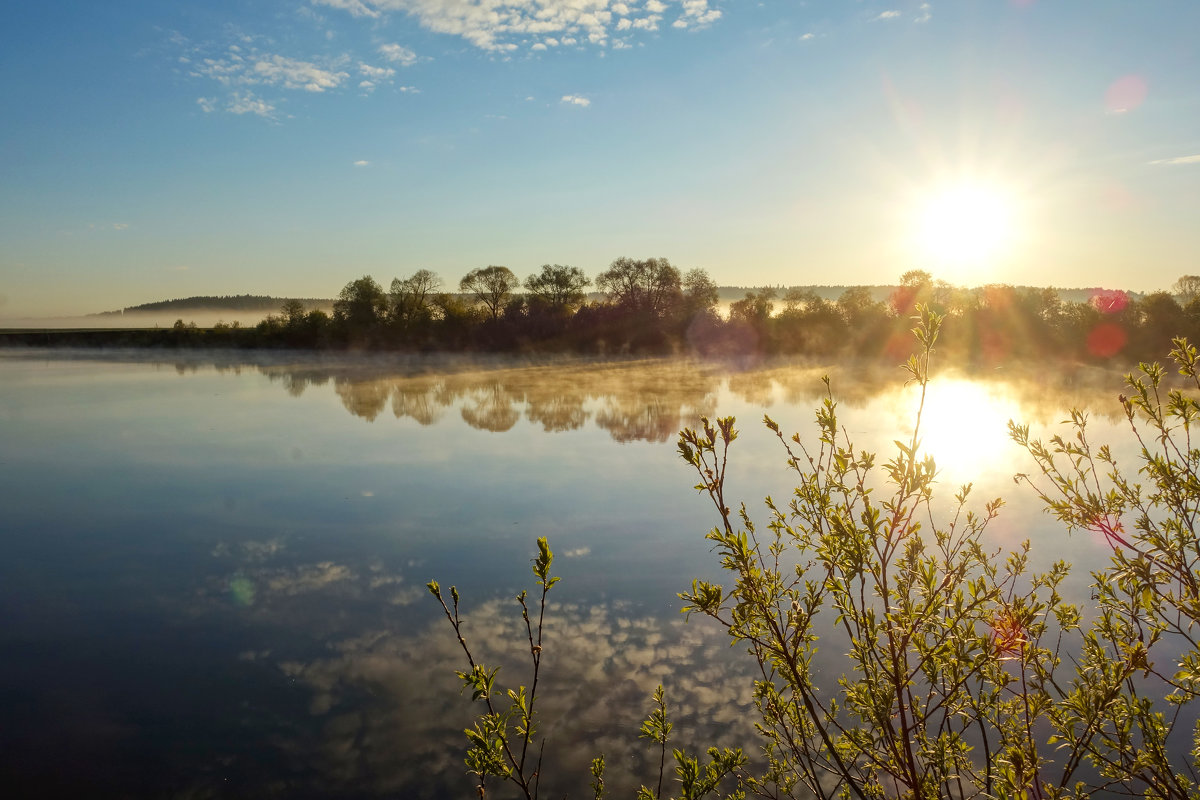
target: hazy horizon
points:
(291, 146)
(205, 316)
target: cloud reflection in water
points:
(388, 715)
(600, 668)
(385, 708)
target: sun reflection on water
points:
(964, 426)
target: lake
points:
(215, 562)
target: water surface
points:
(215, 565)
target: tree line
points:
(647, 306)
(651, 306)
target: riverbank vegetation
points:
(649, 306)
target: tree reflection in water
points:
(648, 400)
(634, 401)
(491, 406)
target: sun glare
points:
(964, 426)
(963, 228)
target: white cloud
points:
(120, 226)
(398, 54)
(576, 100)
(306, 12)
(244, 69)
(375, 73)
(224, 71)
(808, 37)
(538, 46)
(292, 73)
(1178, 160)
(247, 103)
(356, 8)
(235, 69)
(926, 13)
(886, 15)
(697, 13)
(679, 23)
(502, 26)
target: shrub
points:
(959, 671)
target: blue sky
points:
(151, 150)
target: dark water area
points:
(213, 583)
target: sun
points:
(963, 228)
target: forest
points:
(649, 306)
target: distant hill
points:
(245, 303)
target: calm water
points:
(213, 582)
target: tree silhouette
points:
(409, 299)
(558, 287)
(361, 305)
(651, 285)
(1188, 288)
(700, 293)
(491, 286)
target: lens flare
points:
(1125, 94)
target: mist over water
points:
(215, 565)
(202, 317)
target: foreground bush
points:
(956, 671)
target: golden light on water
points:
(964, 426)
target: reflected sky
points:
(214, 567)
